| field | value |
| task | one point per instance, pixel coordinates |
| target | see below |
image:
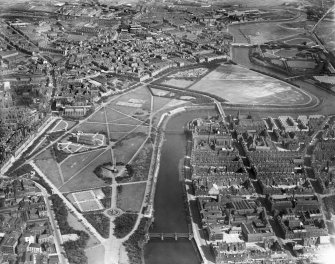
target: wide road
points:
(57, 235)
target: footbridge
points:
(163, 236)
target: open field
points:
(233, 72)
(46, 154)
(124, 128)
(160, 102)
(75, 163)
(286, 53)
(244, 90)
(118, 132)
(92, 128)
(98, 116)
(129, 103)
(50, 169)
(130, 197)
(115, 116)
(83, 181)
(126, 121)
(263, 32)
(126, 149)
(63, 125)
(87, 179)
(179, 83)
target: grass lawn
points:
(141, 94)
(87, 179)
(160, 102)
(50, 169)
(75, 163)
(115, 116)
(140, 130)
(114, 136)
(63, 125)
(83, 182)
(98, 116)
(130, 197)
(125, 149)
(127, 121)
(46, 154)
(121, 128)
(92, 128)
(125, 110)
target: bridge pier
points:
(175, 236)
(190, 236)
(162, 236)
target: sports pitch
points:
(238, 85)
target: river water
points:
(170, 214)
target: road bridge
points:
(174, 236)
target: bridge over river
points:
(174, 236)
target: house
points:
(45, 238)
(231, 248)
(37, 230)
(35, 248)
(8, 244)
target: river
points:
(169, 212)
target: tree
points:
(129, 169)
